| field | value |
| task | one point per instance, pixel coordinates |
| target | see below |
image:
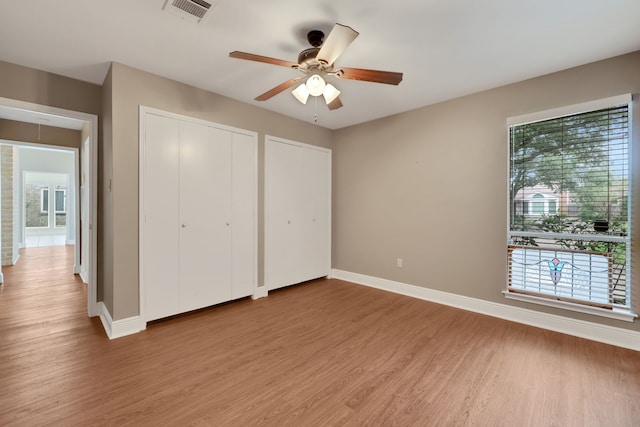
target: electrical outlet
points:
(399, 263)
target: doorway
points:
(86, 209)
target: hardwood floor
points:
(323, 353)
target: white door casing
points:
(91, 121)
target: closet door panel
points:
(297, 241)
(243, 226)
(280, 217)
(160, 220)
(205, 199)
(300, 209)
(316, 222)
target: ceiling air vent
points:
(192, 10)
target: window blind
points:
(569, 199)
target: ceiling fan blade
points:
(260, 58)
(376, 76)
(337, 41)
(335, 104)
(276, 90)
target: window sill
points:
(626, 316)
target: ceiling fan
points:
(317, 62)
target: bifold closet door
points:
(243, 212)
(161, 219)
(297, 213)
(198, 214)
(205, 215)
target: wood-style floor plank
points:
(323, 353)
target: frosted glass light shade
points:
(301, 93)
(330, 93)
(316, 85)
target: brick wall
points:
(34, 216)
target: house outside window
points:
(569, 210)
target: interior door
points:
(161, 221)
(84, 210)
(205, 215)
(297, 213)
(244, 225)
(316, 239)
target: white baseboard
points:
(259, 292)
(592, 331)
(119, 328)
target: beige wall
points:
(429, 186)
(131, 88)
(32, 133)
(39, 87)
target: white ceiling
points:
(445, 48)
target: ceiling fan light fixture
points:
(301, 93)
(330, 93)
(315, 85)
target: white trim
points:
(296, 143)
(586, 237)
(569, 110)
(615, 313)
(119, 328)
(143, 109)
(589, 330)
(260, 292)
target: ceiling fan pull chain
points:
(315, 115)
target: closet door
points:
(297, 213)
(316, 237)
(205, 215)
(161, 217)
(243, 213)
(198, 216)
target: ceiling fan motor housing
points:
(308, 55)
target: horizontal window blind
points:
(569, 204)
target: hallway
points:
(25, 307)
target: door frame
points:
(92, 121)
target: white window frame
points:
(64, 201)
(544, 199)
(42, 209)
(615, 313)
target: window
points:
(60, 200)
(569, 210)
(44, 200)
